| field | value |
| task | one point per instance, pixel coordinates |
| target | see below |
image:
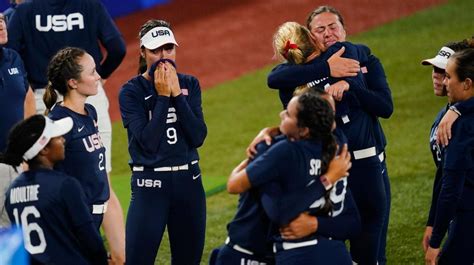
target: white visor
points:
(441, 59)
(51, 129)
(157, 37)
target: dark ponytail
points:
(21, 138)
(63, 66)
(316, 114)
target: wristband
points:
(326, 183)
(453, 108)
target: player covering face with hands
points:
(161, 110)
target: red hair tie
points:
(288, 47)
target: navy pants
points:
(229, 256)
(459, 246)
(368, 189)
(328, 252)
(175, 199)
(382, 259)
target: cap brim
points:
(158, 43)
(61, 127)
(434, 62)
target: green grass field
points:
(237, 110)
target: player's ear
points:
(304, 132)
(72, 83)
(468, 83)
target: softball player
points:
(307, 123)
(327, 26)
(165, 125)
(457, 183)
(50, 206)
(16, 102)
(72, 73)
(438, 74)
(41, 28)
(294, 42)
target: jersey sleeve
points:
(465, 107)
(377, 99)
(84, 229)
(435, 195)
(345, 225)
(289, 76)
(458, 157)
(145, 126)
(190, 112)
(75, 201)
(15, 32)
(266, 168)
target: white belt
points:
(99, 208)
(364, 153)
(382, 157)
(237, 247)
(292, 245)
(163, 169)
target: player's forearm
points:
(114, 229)
(30, 103)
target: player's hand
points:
(161, 81)
(173, 79)
(266, 135)
(426, 238)
(342, 67)
(337, 89)
(431, 256)
(339, 166)
(303, 225)
(443, 134)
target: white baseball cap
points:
(157, 37)
(51, 129)
(441, 59)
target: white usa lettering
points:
(60, 23)
(92, 142)
(13, 71)
(251, 262)
(149, 183)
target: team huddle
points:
(307, 186)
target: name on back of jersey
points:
(24, 194)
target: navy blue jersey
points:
(251, 227)
(465, 107)
(358, 125)
(85, 153)
(57, 225)
(40, 28)
(13, 89)
(438, 154)
(301, 168)
(162, 131)
(457, 183)
(376, 100)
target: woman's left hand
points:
(303, 225)
(337, 89)
(431, 256)
(173, 79)
(443, 135)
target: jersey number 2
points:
(29, 228)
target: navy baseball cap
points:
(51, 129)
(441, 59)
(157, 37)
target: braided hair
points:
(21, 138)
(63, 66)
(316, 114)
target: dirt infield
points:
(221, 40)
